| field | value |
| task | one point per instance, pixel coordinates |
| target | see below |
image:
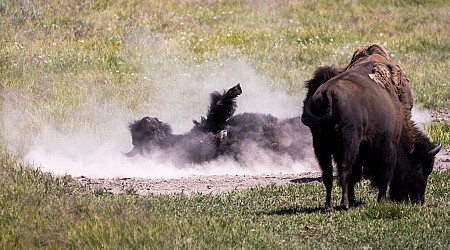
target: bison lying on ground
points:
(151, 135)
(267, 133)
(223, 134)
(199, 144)
(364, 128)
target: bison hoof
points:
(343, 207)
(352, 202)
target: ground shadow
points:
(308, 210)
(292, 211)
(306, 180)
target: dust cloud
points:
(95, 151)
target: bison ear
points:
(435, 150)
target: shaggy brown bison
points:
(391, 77)
(386, 73)
(362, 126)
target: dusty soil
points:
(198, 184)
(442, 115)
(226, 183)
(442, 162)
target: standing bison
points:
(365, 127)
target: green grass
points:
(56, 58)
(39, 210)
(59, 57)
(92, 40)
(439, 131)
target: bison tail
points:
(312, 120)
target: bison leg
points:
(349, 156)
(390, 161)
(327, 177)
(221, 108)
(355, 178)
(233, 92)
(345, 179)
(323, 154)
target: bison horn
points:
(435, 150)
(132, 153)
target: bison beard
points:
(362, 127)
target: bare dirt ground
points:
(225, 183)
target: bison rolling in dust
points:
(222, 134)
(272, 136)
(198, 145)
(365, 127)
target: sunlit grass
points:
(57, 58)
(40, 210)
(279, 43)
(439, 131)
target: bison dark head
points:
(411, 174)
(146, 132)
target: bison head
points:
(411, 175)
(145, 132)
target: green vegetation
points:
(86, 41)
(38, 210)
(56, 56)
(439, 131)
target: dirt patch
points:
(443, 158)
(196, 184)
(442, 115)
(224, 183)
